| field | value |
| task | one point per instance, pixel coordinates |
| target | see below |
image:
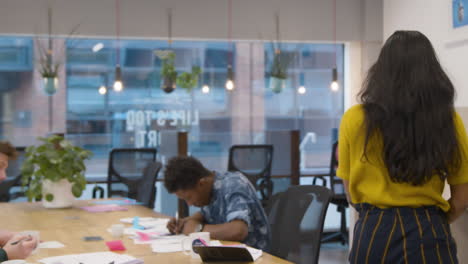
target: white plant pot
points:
(62, 192)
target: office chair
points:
(146, 189)
(297, 217)
(339, 199)
(254, 161)
(126, 166)
(13, 179)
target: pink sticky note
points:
(143, 236)
(116, 245)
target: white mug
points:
(117, 230)
(35, 234)
(205, 236)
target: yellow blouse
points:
(369, 181)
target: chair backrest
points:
(297, 224)
(146, 191)
(254, 161)
(336, 183)
(126, 166)
(13, 173)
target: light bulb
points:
(334, 86)
(118, 86)
(229, 85)
(301, 89)
(98, 47)
(102, 90)
(230, 79)
(205, 89)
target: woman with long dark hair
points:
(396, 151)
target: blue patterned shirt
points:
(234, 198)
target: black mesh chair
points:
(339, 199)
(297, 219)
(13, 179)
(254, 161)
(126, 167)
(146, 190)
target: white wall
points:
(434, 19)
(305, 20)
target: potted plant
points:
(54, 172)
(278, 72)
(168, 72)
(49, 66)
(188, 80)
(49, 72)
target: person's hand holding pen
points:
(176, 225)
(20, 246)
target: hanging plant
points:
(279, 67)
(279, 71)
(188, 80)
(168, 72)
(48, 66)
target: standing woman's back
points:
(397, 149)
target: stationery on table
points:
(51, 244)
(104, 208)
(126, 201)
(116, 245)
(92, 258)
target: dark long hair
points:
(409, 101)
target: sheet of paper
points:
(104, 208)
(51, 244)
(92, 258)
(255, 253)
(126, 201)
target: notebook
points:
(92, 258)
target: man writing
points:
(13, 246)
(230, 209)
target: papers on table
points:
(51, 244)
(92, 258)
(255, 253)
(104, 208)
(126, 201)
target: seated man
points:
(230, 209)
(12, 246)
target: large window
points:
(136, 116)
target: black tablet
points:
(211, 254)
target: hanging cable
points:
(118, 86)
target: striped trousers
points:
(402, 235)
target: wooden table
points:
(69, 226)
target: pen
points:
(24, 238)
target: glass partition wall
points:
(276, 87)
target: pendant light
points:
(118, 85)
(230, 74)
(334, 86)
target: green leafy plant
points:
(168, 68)
(279, 68)
(189, 80)
(48, 69)
(54, 160)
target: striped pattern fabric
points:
(402, 235)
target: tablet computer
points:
(223, 253)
